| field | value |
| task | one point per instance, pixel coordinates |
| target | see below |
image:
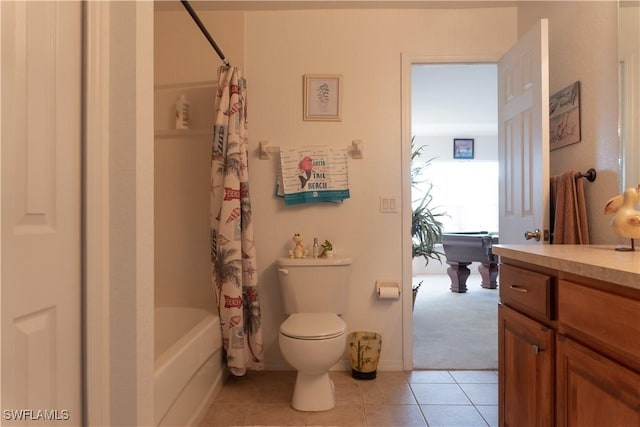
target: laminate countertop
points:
(600, 262)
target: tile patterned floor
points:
(403, 399)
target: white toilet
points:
(313, 338)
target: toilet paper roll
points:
(388, 292)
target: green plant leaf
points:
(426, 228)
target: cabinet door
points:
(594, 391)
(526, 356)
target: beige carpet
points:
(455, 331)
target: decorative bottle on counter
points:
(316, 248)
(182, 113)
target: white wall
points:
(440, 147)
(183, 54)
(577, 51)
(629, 48)
(460, 183)
(182, 168)
(365, 46)
(130, 259)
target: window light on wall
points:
(466, 191)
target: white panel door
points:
(523, 140)
(41, 372)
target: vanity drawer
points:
(605, 321)
(527, 291)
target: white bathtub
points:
(188, 367)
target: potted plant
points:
(426, 228)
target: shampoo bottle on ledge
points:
(182, 113)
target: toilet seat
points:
(313, 326)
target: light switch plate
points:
(388, 204)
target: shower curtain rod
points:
(198, 22)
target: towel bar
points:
(265, 150)
(590, 175)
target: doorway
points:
(455, 101)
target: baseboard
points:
(342, 365)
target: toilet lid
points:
(313, 326)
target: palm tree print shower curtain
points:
(233, 260)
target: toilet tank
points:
(314, 285)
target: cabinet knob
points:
(536, 349)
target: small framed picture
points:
(463, 148)
(322, 97)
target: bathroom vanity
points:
(569, 336)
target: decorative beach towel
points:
(313, 174)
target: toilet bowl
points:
(312, 343)
(313, 338)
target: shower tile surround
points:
(418, 398)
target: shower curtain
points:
(233, 260)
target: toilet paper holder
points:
(388, 289)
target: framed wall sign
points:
(564, 117)
(322, 97)
(463, 148)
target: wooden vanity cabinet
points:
(594, 391)
(526, 359)
(526, 348)
(598, 357)
(569, 349)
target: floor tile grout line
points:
(459, 384)
(363, 405)
(474, 405)
(413, 393)
(406, 379)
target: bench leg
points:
(458, 272)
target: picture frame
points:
(463, 148)
(322, 100)
(564, 117)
